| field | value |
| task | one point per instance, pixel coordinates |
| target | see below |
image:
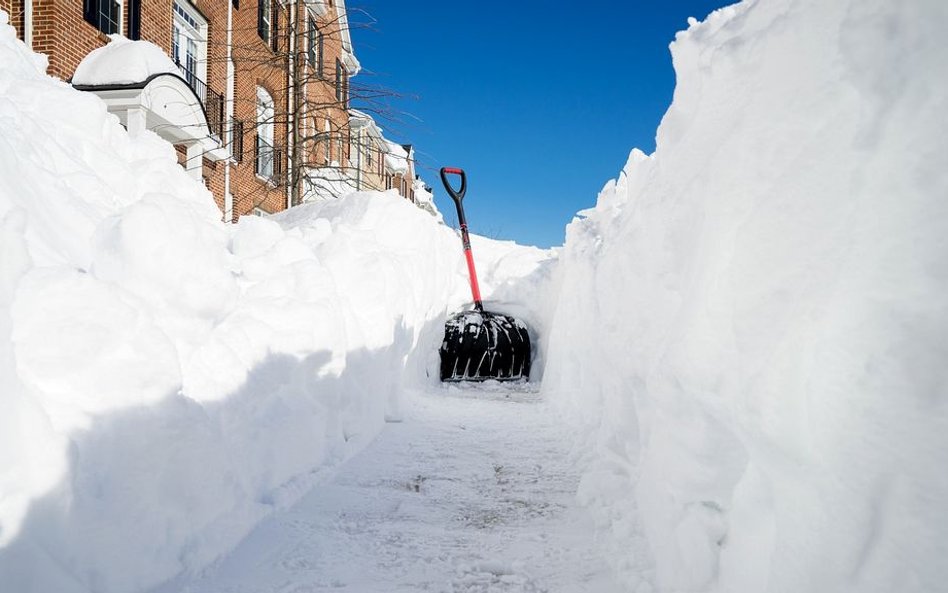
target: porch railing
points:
(237, 139)
(212, 101)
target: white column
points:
(28, 23)
(136, 122)
(194, 164)
(229, 114)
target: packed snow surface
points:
(473, 492)
(753, 322)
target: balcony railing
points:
(268, 160)
(237, 139)
(213, 102)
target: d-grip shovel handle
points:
(458, 196)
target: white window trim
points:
(197, 33)
(327, 157)
(265, 126)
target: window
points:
(348, 140)
(327, 143)
(266, 155)
(276, 27)
(104, 15)
(189, 44)
(319, 52)
(264, 8)
(340, 83)
(311, 43)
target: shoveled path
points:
(473, 492)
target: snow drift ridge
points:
(765, 387)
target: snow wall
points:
(760, 369)
(167, 380)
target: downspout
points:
(229, 115)
(293, 86)
(358, 158)
(28, 23)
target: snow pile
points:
(753, 325)
(122, 61)
(167, 380)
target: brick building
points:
(259, 107)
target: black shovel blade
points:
(479, 345)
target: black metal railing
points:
(237, 139)
(212, 101)
(268, 160)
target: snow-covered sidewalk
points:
(473, 492)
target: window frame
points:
(265, 21)
(339, 75)
(265, 135)
(189, 29)
(312, 48)
(320, 41)
(92, 14)
(327, 143)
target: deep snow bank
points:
(760, 358)
(166, 380)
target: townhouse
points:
(259, 105)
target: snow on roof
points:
(348, 55)
(123, 61)
(362, 119)
(396, 158)
(424, 199)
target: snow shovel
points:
(480, 345)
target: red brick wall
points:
(14, 10)
(156, 23)
(320, 96)
(60, 32)
(256, 64)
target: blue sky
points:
(539, 105)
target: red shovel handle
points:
(458, 197)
